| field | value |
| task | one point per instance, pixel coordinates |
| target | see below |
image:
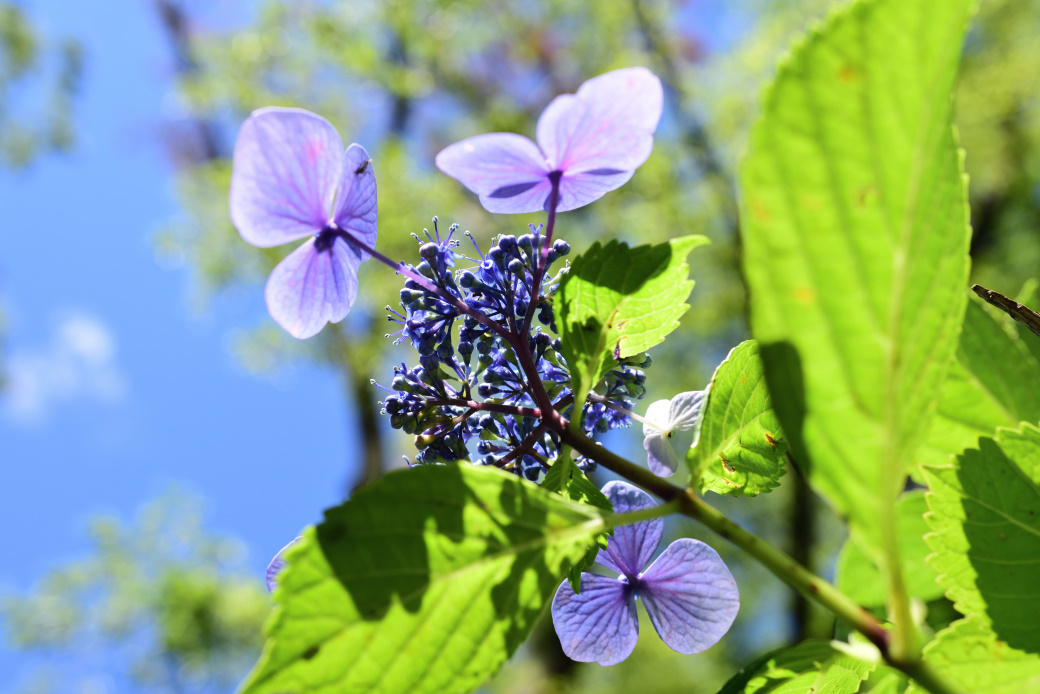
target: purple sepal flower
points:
(688, 592)
(291, 178)
(276, 565)
(591, 141)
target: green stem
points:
(656, 511)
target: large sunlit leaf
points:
(994, 383)
(740, 447)
(810, 667)
(855, 229)
(621, 300)
(861, 579)
(985, 514)
(426, 581)
(970, 655)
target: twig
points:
(1023, 314)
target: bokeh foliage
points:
(165, 599)
(39, 79)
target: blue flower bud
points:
(428, 251)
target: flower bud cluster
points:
(462, 401)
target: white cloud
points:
(77, 365)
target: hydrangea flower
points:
(669, 430)
(276, 566)
(292, 179)
(589, 144)
(688, 592)
(452, 400)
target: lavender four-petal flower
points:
(291, 179)
(589, 144)
(689, 593)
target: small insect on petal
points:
(289, 170)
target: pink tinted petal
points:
(285, 169)
(506, 170)
(608, 124)
(579, 189)
(690, 595)
(599, 625)
(356, 197)
(632, 545)
(311, 288)
(276, 565)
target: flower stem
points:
(425, 283)
(539, 272)
(656, 511)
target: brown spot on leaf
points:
(726, 465)
(866, 194)
(770, 440)
(848, 73)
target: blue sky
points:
(117, 388)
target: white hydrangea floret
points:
(668, 429)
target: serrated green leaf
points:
(969, 654)
(811, 667)
(992, 384)
(565, 478)
(740, 446)
(856, 245)
(985, 517)
(427, 581)
(861, 579)
(616, 298)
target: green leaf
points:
(992, 384)
(861, 579)
(739, 448)
(856, 245)
(565, 478)
(811, 667)
(616, 298)
(571, 482)
(427, 581)
(968, 653)
(985, 514)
